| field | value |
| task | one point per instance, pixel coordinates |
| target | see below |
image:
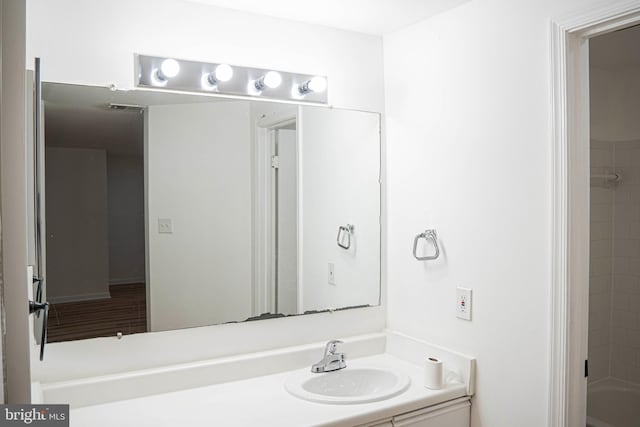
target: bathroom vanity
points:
(454, 413)
(250, 390)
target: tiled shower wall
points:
(601, 262)
(614, 287)
(625, 316)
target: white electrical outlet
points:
(463, 303)
(165, 225)
(332, 274)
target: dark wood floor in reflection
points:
(125, 311)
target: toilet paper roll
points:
(433, 373)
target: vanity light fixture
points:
(272, 80)
(169, 68)
(155, 72)
(316, 84)
(223, 73)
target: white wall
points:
(468, 143)
(199, 176)
(340, 160)
(125, 191)
(91, 42)
(77, 224)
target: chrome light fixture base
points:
(194, 76)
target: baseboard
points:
(79, 297)
(126, 281)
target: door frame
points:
(262, 211)
(570, 204)
(15, 280)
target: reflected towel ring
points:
(348, 230)
(429, 235)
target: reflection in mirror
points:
(167, 211)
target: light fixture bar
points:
(193, 76)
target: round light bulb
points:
(169, 68)
(223, 73)
(318, 84)
(272, 79)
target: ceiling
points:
(79, 116)
(376, 17)
(617, 49)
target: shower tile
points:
(618, 370)
(626, 212)
(633, 374)
(634, 266)
(601, 157)
(622, 231)
(621, 265)
(599, 340)
(623, 155)
(633, 230)
(600, 195)
(634, 302)
(627, 283)
(620, 301)
(599, 284)
(601, 213)
(634, 338)
(600, 231)
(627, 248)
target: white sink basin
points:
(349, 385)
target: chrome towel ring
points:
(429, 235)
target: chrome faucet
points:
(331, 361)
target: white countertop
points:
(263, 401)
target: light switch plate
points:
(165, 225)
(463, 303)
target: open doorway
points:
(575, 183)
(613, 389)
(95, 238)
(276, 212)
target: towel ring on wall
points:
(429, 235)
(348, 231)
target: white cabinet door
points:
(379, 423)
(456, 413)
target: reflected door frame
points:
(264, 295)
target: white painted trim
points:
(79, 297)
(147, 218)
(13, 193)
(263, 272)
(300, 183)
(260, 233)
(570, 208)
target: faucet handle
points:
(332, 346)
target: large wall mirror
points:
(167, 210)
